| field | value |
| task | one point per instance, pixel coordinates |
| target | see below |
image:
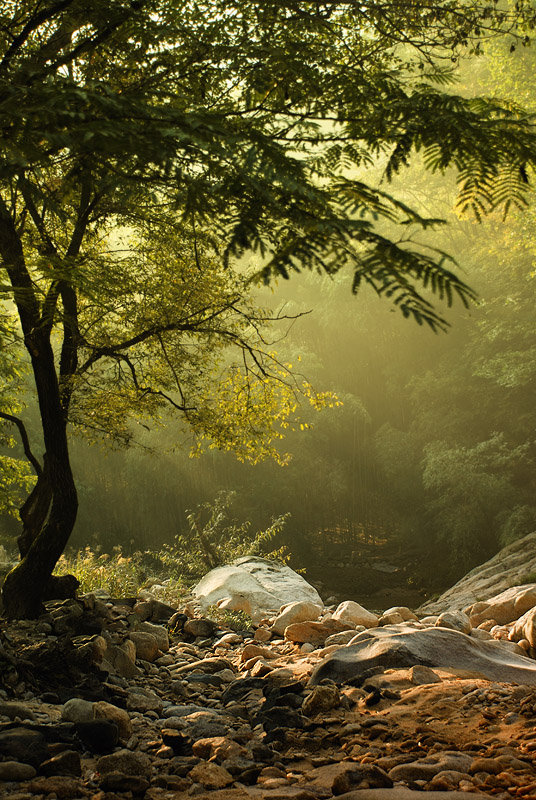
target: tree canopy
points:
(199, 132)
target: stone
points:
(24, 745)
(254, 585)
(501, 574)
(13, 710)
(228, 640)
(177, 741)
(405, 646)
(123, 659)
(217, 748)
(62, 786)
(254, 650)
(447, 780)
(420, 675)
(210, 775)
(367, 776)
(300, 611)
(143, 700)
(490, 765)
(123, 782)
(208, 665)
(260, 667)
(322, 698)
(98, 645)
(200, 627)
(198, 727)
(64, 763)
(152, 609)
(262, 635)
(98, 735)
(119, 716)
(16, 771)
(158, 631)
(353, 613)
(125, 761)
(505, 607)
(455, 620)
(403, 611)
(146, 645)
(344, 637)
(427, 768)
(525, 628)
(392, 618)
(478, 633)
(314, 633)
(77, 710)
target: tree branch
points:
(25, 441)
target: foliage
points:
(235, 620)
(214, 539)
(16, 475)
(117, 574)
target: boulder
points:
(396, 614)
(455, 620)
(315, 633)
(352, 612)
(301, 611)
(504, 607)
(159, 632)
(254, 585)
(508, 568)
(146, 645)
(104, 710)
(126, 762)
(403, 646)
(77, 710)
(525, 628)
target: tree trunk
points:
(43, 540)
(27, 584)
(35, 511)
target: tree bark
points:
(35, 511)
(26, 584)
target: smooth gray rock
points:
(403, 646)
(77, 710)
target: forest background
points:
(426, 468)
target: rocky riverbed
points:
(123, 698)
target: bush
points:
(213, 539)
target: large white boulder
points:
(254, 585)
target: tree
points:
(222, 126)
